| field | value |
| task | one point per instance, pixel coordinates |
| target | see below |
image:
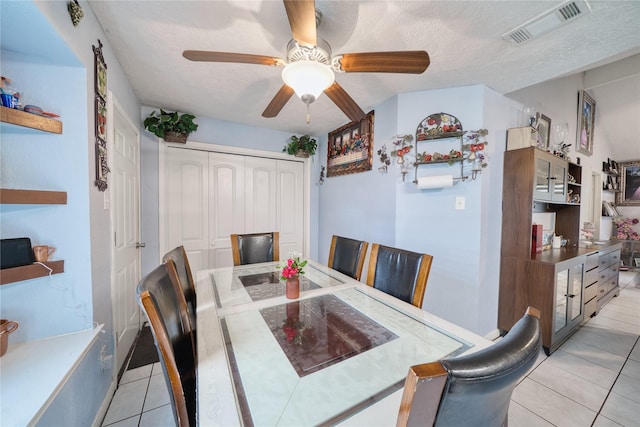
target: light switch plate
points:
(459, 203)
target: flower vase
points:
(293, 287)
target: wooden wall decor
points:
(350, 148)
(629, 194)
(100, 79)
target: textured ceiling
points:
(463, 39)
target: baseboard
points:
(493, 335)
(102, 412)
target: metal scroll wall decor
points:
(102, 169)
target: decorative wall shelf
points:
(26, 272)
(32, 197)
(33, 121)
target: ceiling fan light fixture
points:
(308, 78)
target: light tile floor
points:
(593, 379)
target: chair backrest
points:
(179, 258)
(165, 309)
(402, 274)
(255, 248)
(347, 256)
(472, 390)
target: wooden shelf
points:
(33, 121)
(32, 197)
(25, 272)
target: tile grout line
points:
(615, 381)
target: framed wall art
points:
(350, 148)
(629, 194)
(586, 121)
(100, 80)
(544, 131)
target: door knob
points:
(140, 245)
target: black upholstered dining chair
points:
(402, 274)
(178, 256)
(165, 309)
(347, 256)
(256, 247)
(473, 390)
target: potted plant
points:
(170, 126)
(303, 146)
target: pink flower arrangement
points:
(625, 229)
(293, 266)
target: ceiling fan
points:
(309, 67)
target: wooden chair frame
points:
(421, 281)
(168, 357)
(182, 303)
(235, 248)
(361, 256)
(175, 278)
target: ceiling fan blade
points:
(242, 58)
(409, 62)
(302, 19)
(341, 98)
(278, 102)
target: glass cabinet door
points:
(542, 188)
(562, 287)
(575, 299)
(558, 181)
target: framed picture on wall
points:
(586, 122)
(544, 131)
(350, 148)
(629, 194)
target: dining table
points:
(337, 355)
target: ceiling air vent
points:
(548, 21)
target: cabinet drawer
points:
(607, 273)
(591, 277)
(602, 290)
(592, 262)
(605, 287)
(590, 291)
(603, 261)
(614, 258)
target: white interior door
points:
(187, 204)
(125, 189)
(290, 206)
(210, 195)
(260, 195)
(226, 204)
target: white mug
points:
(557, 242)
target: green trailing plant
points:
(160, 123)
(304, 144)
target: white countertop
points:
(32, 373)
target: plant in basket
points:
(170, 126)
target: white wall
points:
(361, 206)
(34, 160)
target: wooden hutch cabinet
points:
(552, 281)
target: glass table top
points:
(319, 360)
(246, 284)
